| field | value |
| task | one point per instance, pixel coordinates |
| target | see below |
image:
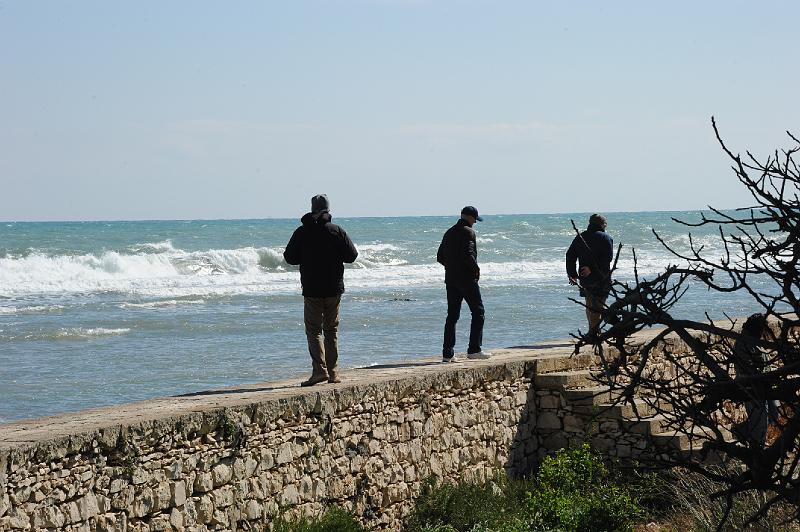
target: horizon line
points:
(129, 220)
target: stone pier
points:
(233, 459)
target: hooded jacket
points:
(458, 253)
(320, 248)
(593, 248)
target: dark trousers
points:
(470, 293)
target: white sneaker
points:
(480, 355)
(446, 360)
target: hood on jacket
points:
(311, 218)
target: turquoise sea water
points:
(101, 313)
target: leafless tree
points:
(697, 391)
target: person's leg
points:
(330, 326)
(472, 295)
(454, 298)
(312, 315)
(757, 421)
(594, 307)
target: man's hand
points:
(585, 271)
(573, 280)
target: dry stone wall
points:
(233, 461)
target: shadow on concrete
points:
(231, 391)
(523, 456)
(401, 365)
(542, 346)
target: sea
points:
(103, 313)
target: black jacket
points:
(320, 248)
(458, 253)
(595, 249)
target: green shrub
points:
(574, 493)
(492, 505)
(334, 520)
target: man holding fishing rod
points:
(593, 249)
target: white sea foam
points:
(83, 332)
(162, 304)
(170, 274)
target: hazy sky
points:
(189, 109)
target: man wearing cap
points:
(458, 253)
(593, 249)
(321, 248)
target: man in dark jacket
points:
(594, 250)
(458, 253)
(321, 248)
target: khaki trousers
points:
(594, 307)
(321, 315)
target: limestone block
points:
(22, 496)
(242, 489)
(176, 519)
(143, 503)
(203, 483)
(409, 474)
(47, 517)
(162, 495)
(550, 401)
(555, 441)
(88, 506)
(117, 485)
(221, 474)
(379, 433)
(175, 470)
(609, 426)
(205, 509)
(290, 495)
(603, 444)
(573, 423)
(189, 512)
(123, 500)
(548, 420)
(178, 493)
(223, 497)
(253, 510)
(250, 466)
(160, 523)
(5, 504)
(624, 451)
(305, 489)
(112, 523)
(140, 476)
(318, 491)
(284, 454)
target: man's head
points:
(470, 214)
(320, 203)
(598, 222)
(755, 325)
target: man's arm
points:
(293, 254)
(609, 251)
(571, 259)
(349, 253)
(440, 254)
(471, 253)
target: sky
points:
(205, 110)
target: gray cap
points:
(320, 203)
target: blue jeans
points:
(470, 293)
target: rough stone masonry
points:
(233, 459)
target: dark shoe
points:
(315, 379)
(334, 379)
